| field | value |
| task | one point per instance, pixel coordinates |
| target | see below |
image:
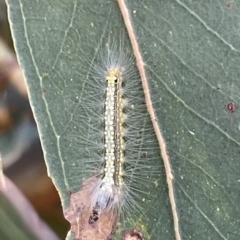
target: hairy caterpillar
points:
(118, 148)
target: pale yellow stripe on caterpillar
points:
(115, 127)
(114, 143)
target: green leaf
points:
(12, 226)
(192, 55)
(18, 219)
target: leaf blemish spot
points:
(231, 107)
(228, 4)
(132, 234)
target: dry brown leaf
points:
(87, 224)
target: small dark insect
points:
(94, 217)
(231, 107)
(144, 154)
